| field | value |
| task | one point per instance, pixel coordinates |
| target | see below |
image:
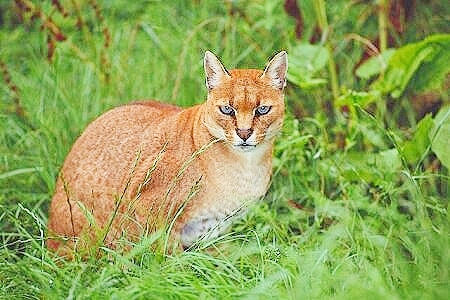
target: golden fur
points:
(140, 166)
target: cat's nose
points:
(244, 134)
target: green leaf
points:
(434, 70)
(308, 58)
(372, 135)
(305, 60)
(419, 66)
(305, 82)
(414, 149)
(374, 65)
(362, 99)
(388, 160)
(371, 167)
(440, 136)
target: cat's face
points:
(245, 108)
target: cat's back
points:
(122, 125)
(104, 153)
(136, 114)
(129, 119)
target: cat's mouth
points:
(245, 146)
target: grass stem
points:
(321, 15)
(382, 24)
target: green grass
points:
(339, 222)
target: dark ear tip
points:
(207, 55)
(281, 53)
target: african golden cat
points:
(146, 164)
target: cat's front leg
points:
(203, 229)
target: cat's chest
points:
(246, 182)
(230, 186)
(226, 184)
(227, 193)
(239, 179)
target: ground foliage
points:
(359, 201)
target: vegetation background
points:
(359, 203)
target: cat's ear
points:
(214, 70)
(276, 70)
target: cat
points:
(145, 165)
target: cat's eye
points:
(227, 110)
(262, 110)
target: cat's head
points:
(245, 108)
